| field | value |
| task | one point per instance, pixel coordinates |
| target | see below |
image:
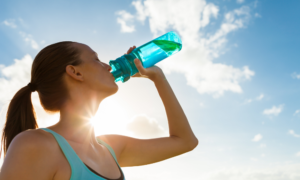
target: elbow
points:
(194, 144)
(188, 144)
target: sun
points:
(107, 121)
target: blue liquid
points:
(149, 54)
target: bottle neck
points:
(122, 67)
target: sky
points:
(237, 77)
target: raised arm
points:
(178, 123)
(134, 152)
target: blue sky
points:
(237, 77)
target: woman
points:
(71, 80)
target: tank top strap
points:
(112, 152)
(68, 151)
(78, 168)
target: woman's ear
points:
(74, 72)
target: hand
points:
(151, 73)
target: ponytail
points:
(47, 72)
(20, 117)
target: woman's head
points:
(55, 70)
(91, 74)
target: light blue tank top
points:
(79, 171)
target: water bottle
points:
(149, 54)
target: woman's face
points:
(96, 74)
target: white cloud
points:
(195, 60)
(295, 75)
(274, 111)
(14, 23)
(26, 37)
(240, 1)
(29, 38)
(247, 101)
(123, 19)
(14, 77)
(298, 154)
(296, 112)
(142, 12)
(257, 137)
(143, 126)
(291, 132)
(260, 97)
(10, 23)
(257, 15)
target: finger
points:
(137, 75)
(129, 50)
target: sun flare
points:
(107, 121)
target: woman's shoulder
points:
(34, 140)
(31, 151)
(34, 136)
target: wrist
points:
(158, 78)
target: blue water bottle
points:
(149, 54)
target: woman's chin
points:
(115, 89)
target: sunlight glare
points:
(107, 121)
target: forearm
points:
(178, 123)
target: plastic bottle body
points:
(149, 54)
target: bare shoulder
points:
(30, 151)
(35, 140)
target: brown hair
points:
(47, 72)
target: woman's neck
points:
(75, 121)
